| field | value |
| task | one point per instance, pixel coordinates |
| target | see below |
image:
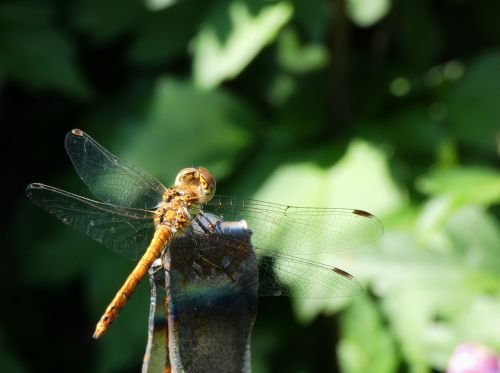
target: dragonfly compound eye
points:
(207, 182)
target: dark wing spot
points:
(362, 213)
(35, 186)
(342, 272)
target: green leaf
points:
(164, 35)
(452, 189)
(366, 344)
(297, 58)
(476, 236)
(41, 57)
(176, 136)
(156, 5)
(233, 35)
(104, 21)
(365, 13)
(466, 185)
(429, 288)
(409, 311)
(360, 180)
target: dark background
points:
(390, 107)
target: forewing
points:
(109, 178)
(299, 230)
(126, 231)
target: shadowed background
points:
(390, 107)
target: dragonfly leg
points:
(160, 267)
(207, 227)
(209, 262)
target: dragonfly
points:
(138, 217)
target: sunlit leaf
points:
(359, 180)
(362, 178)
(366, 345)
(471, 185)
(365, 13)
(156, 5)
(450, 199)
(477, 237)
(297, 58)
(436, 285)
(232, 36)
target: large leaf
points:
(365, 13)
(366, 345)
(104, 21)
(40, 57)
(359, 180)
(298, 58)
(186, 127)
(433, 291)
(159, 4)
(165, 34)
(234, 33)
(468, 185)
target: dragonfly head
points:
(199, 179)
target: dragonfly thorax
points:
(193, 187)
(176, 210)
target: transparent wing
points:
(299, 230)
(109, 178)
(126, 231)
(292, 276)
(215, 251)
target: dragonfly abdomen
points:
(161, 238)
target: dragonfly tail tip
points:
(99, 330)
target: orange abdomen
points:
(161, 237)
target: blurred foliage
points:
(390, 107)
